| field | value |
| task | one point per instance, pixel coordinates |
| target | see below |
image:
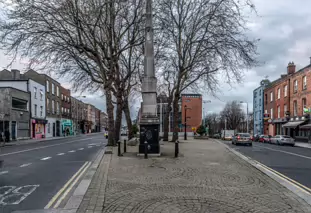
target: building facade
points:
(14, 110)
(66, 121)
(97, 120)
(90, 127)
(103, 121)
(258, 108)
(191, 108)
(53, 101)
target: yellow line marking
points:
(64, 187)
(293, 182)
(71, 186)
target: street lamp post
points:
(185, 135)
(247, 127)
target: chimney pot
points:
(16, 74)
(291, 68)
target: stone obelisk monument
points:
(149, 124)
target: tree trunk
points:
(110, 108)
(166, 121)
(176, 117)
(118, 116)
(127, 114)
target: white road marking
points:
(11, 195)
(290, 153)
(60, 153)
(97, 145)
(4, 172)
(43, 147)
(26, 164)
(72, 151)
(81, 148)
(46, 158)
(89, 147)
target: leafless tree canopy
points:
(233, 114)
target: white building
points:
(38, 105)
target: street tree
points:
(81, 40)
(232, 114)
(206, 39)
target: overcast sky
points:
(283, 27)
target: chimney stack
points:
(291, 68)
(16, 74)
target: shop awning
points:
(307, 126)
(293, 124)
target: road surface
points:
(33, 174)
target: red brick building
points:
(290, 95)
(193, 103)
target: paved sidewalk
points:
(206, 178)
(304, 145)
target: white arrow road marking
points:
(60, 153)
(26, 164)
(46, 158)
(81, 148)
(72, 151)
(4, 172)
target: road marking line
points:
(89, 147)
(72, 151)
(81, 148)
(290, 153)
(293, 182)
(4, 172)
(60, 153)
(43, 147)
(26, 164)
(71, 186)
(51, 202)
(46, 158)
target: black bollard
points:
(146, 149)
(176, 148)
(119, 148)
(124, 145)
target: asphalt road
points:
(294, 162)
(32, 174)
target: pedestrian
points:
(7, 135)
(68, 132)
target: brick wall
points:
(194, 114)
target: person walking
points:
(7, 135)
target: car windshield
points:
(266, 136)
(245, 135)
(285, 136)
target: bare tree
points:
(206, 38)
(78, 39)
(233, 114)
(211, 121)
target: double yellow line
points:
(63, 192)
(291, 181)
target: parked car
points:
(264, 139)
(283, 140)
(217, 136)
(256, 138)
(242, 138)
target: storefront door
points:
(13, 129)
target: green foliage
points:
(201, 130)
(134, 129)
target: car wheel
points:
(251, 144)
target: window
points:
(57, 91)
(57, 107)
(285, 109)
(47, 86)
(62, 109)
(279, 111)
(271, 96)
(259, 101)
(266, 98)
(53, 106)
(271, 113)
(53, 88)
(35, 92)
(68, 99)
(304, 82)
(48, 105)
(19, 104)
(35, 109)
(68, 111)
(295, 108)
(285, 91)
(62, 97)
(41, 111)
(279, 93)
(41, 95)
(304, 104)
(295, 86)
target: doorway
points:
(54, 129)
(33, 130)
(13, 129)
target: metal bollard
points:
(146, 149)
(124, 145)
(119, 148)
(176, 148)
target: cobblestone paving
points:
(207, 178)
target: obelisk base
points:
(149, 131)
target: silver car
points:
(283, 140)
(242, 138)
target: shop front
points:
(67, 127)
(38, 128)
(279, 122)
(292, 128)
